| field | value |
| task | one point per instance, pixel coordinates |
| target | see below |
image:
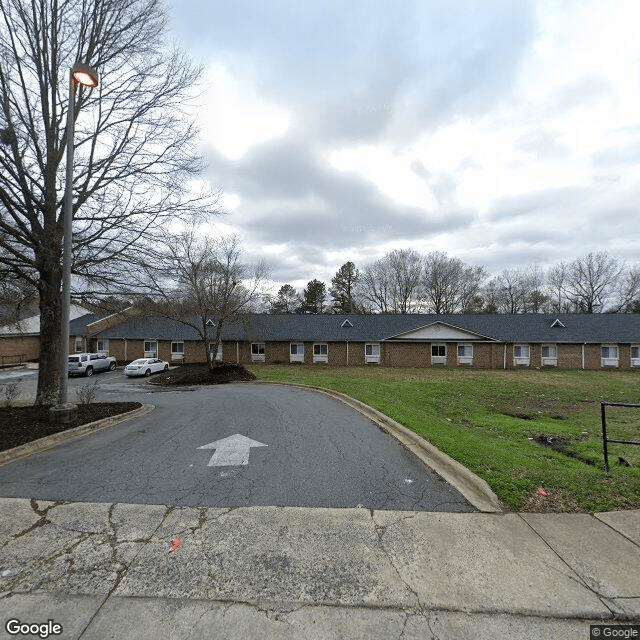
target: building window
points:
(321, 352)
(257, 352)
(438, 354)
(549, 355)
(78, 344)
(296, 352)
(465, 354)
(372, 353)
(521, 355)
(177, 350)
(635, 355)
(102, 346)
(609, 355)
(150, 348)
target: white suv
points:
(86, 364)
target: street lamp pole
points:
(86, 76)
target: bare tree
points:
(592, 280)
(374, 287)
(556, 285)
(628, 293)
(202, 283)
(391, 284)
(449, 285)
(134, 147)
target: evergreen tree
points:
(314, 297)
(343, 290)
(288, 300)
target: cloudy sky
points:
(503, 132)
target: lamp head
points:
(85, 75)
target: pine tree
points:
(343, 290)
(314, 297)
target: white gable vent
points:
(557, 323)
(210, 322)
(346, 323)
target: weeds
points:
(87, 393)
(10, 393)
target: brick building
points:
(571, 341)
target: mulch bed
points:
(188, 374)
(19, 425)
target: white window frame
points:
(609, 360)
(105, 345)
(150, 353)
(318, 349)
(439, 358)
(519, 357)
(175, 354)
(373, 357)
(78, 346)
(551, 359)
(465, 357)
(218, 355)
(258, 351)
(296, 352)
(635, 359)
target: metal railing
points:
(605, 439)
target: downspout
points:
(583, 346)
(504, 357)
(237, 352)
(347, 353)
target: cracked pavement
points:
(106, 570)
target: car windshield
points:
(139, 361)
(74, 359)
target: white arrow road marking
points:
(231, 451)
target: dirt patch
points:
(534, 408)
(190, 374)
(19, 425)
(556, 501)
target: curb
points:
(471, 486)
(42, 444)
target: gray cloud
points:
(394, 72)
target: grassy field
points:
(519, 430)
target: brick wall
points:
(12, 347)
(486, 355)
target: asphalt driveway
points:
(233, 445)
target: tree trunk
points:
(216, 344)
(50, 310)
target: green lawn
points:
(492, 422)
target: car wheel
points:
(89, 372)
(166, 367)
(147, 372)
(112, 366)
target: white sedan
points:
(145, 367)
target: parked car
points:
(145, 367)
(86, 364)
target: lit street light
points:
(86, 76)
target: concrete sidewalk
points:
(107, 571)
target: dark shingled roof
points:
(577, 328)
